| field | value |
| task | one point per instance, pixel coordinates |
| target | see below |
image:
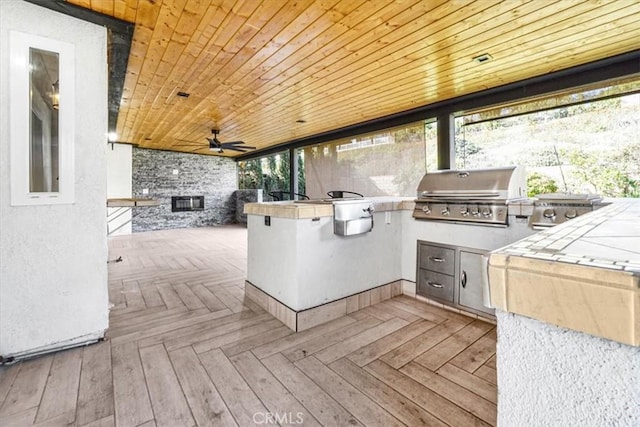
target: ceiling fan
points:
(217, 146)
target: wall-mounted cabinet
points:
(453, 275)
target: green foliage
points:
(538, 183)
(269, 174)
(597, 145)
(250, 174)
(608, 174)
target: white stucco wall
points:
(551, 376)
(119, 184)
(53, 271)
(303, 264)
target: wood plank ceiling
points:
(254, 69)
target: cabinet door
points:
(471, 276)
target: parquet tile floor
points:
(185, 348)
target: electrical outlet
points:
(267, 221)
(145, 191)
(387, 217)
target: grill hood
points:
(493, 184)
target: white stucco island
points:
(304, 274)
(296, 260)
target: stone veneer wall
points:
(213, 177)
(552, 376)
(246, 196)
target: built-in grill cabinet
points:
(453, 275)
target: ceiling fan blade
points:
(240, 149)
(235, 147)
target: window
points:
(580, 142)
(271, 174)
(385, 163)
(42, 120)
(389, 162)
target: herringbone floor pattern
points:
(185, 348)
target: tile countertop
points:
(309, 209)
(582, 275)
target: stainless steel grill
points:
(555, 208)
(472, 196)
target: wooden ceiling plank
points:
(393, 11)
(364, 43)
(225, 9)
(160, 40)
(83, 3)
(485, 79)
(268, 34)
(235, 71)
(211, 89)
(391, 61)
(146, 16)
(326, 58)
(317, 80)
(102, 6)
(131, 11)
(120, 9)
(350, 82)
(166, 20)
(293, 69)
(561, 52)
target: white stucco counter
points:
(298, 267)
(568, 311)
(296, 262)
(583, 274)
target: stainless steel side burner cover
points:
(555, 208)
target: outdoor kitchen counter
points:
(315, 209)
(303, 273)
(583, 275)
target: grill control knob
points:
(549, 213)
(570, 214)
(445, 211)
(464, 211)
(486, 212)
(426, 209)
(475, 211)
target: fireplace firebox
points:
(187, 203)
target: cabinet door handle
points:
(436, 259)
(463, 279)
(434, 284)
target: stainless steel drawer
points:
(436, 285)
(436, 258)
